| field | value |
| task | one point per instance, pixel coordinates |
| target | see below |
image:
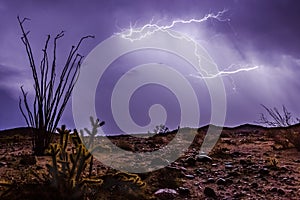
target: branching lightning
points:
(225, 73)
(134, 34)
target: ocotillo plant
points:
(52, 87)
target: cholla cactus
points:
(91, 133)
(68, 167)
(123, 181)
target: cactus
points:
(68, 167)
(123, 181)
(90, 143)
(95, 125)
(8, 187)
(133, 178)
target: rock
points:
(189, 176)
(284, 179)
(281, 191)
(204, 158)
(3, 164)
(184, 191)
(183, 169)
(277, 190)
(190, 161)
(221, 181)
(264, 171)
(166, 194)
(172, 168)
(273, 189)
(228, 166)
(210, 180)
(288, 181)
(209, 192)
(200, 170)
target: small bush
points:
(285, 120)
(272, 163)
(294, 138)
(161, 129)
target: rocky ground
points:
(248, 162)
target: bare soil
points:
(248, 162)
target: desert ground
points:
(248, 162)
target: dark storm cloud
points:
(10, 116)
(268, 26)
(261, 32)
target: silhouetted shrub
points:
(52, 89)
(282, 119)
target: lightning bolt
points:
(135, 34)
(226, 73)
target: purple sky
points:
(260, 33)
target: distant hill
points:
(26, 131)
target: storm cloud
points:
(259, 33)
